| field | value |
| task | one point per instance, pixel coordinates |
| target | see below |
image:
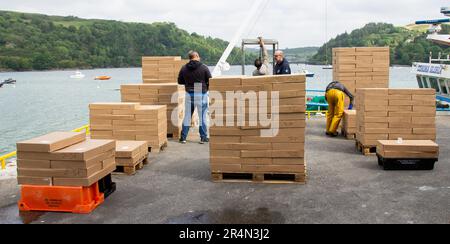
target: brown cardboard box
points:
(365, 68)
(86, 182)
(35, 181)
(84, 151)
(51, 142)
(161, 69)
(33, 164)
(241, 149)
(408, 149)
(147, 121)
(161, 94)
(405, 119)
(81, 158)
(55, 164)
(82, 172)
(130, 149)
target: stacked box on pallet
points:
(64, 159)
(161, 69)
(361, 67)
(130, 153)
(349, 123)
(130, 122)
(389, 114)
(171, 95)
(242, 148)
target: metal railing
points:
(4, 158)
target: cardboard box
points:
(130, 149)
(86, 182)
(147, 120)
(33, 164)
(84, 151)
(51, 142)
(39, 163)
(405, 118)
(35, 181)
(241, 149)
(408, 149)
(55, 164)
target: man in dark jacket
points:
(195, 77)
(282, 66)
(335, 95)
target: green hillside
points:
(407, 45)
(301, 55)
(41, 42)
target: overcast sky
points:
(295, 23)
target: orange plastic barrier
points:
(79, 200)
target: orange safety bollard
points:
(78, 200)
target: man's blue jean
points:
(201, 102)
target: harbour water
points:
(43, 102)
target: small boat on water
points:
(307, 73)
(10, 81)
(103, 77)
(77, 75)
(328, 67)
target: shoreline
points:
(84, 69)
(56, 70)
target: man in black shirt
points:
(282, 66)
(195, 77)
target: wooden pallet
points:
(131, 170)
(261, 178)
(146, 161)
(159, 149)
(348, 136)
(366, 150)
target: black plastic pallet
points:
(406, 164)
(107, 186)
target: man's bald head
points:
(279, 56)
(193, 55)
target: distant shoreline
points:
(72, 69)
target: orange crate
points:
(80, 200)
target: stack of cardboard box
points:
(349, 124)
(129, 121)
(64, 159)
(171, 95)
(389, 114)
(361, 67)
(161, 69)
(131, 153)
(244, 148)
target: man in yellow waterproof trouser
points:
(335, 95)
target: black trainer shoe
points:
(183, 141)
(204, 140)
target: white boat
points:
(328, 67)
(436, 73)
(307, 73)
(78, 75)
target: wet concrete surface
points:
(343, 187)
